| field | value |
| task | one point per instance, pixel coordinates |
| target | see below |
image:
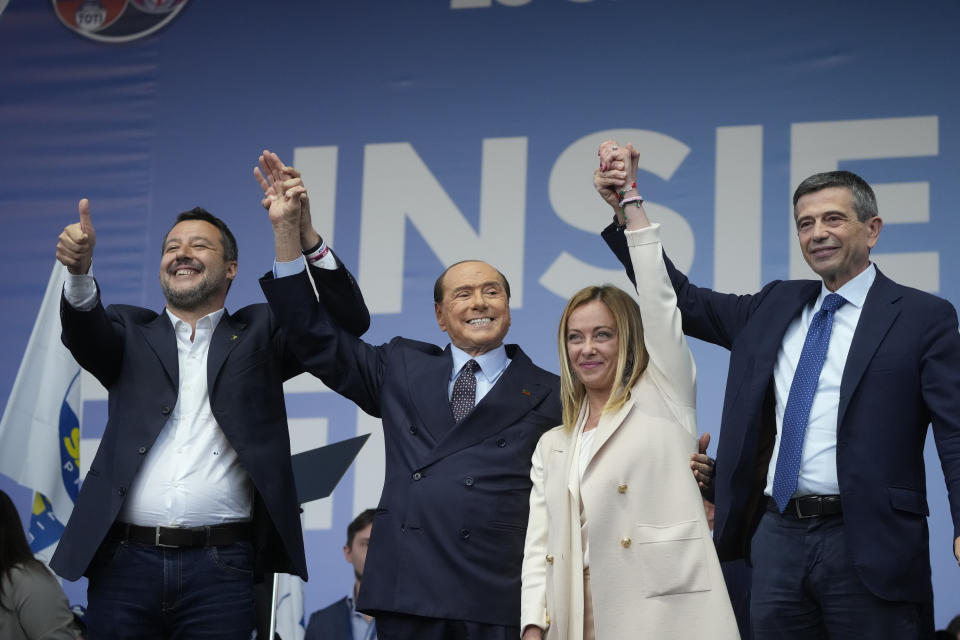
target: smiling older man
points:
(460, 425)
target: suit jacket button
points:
(625, 542)
(501, 443)
(142, 450)
(622, 488)
(548, 620)
(549, 559)
(468, 481)
(464, 534)
(417, 475)
(413, 429)
(165, 410)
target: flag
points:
(290, 623)
(40, 428)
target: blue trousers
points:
(156, 593)
(805, 586)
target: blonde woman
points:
(618, 545)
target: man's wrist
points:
(310, 244)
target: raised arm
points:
(671, 362)
(707, 315)
(86, 329)
(281, 185)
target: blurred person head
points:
(358, 537)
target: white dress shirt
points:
(492, 365)
(191, 475)
(818, 464)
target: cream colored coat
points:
(654, 572)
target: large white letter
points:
(820, 146)
(318, 168)
(576, 203)
(738, 210)
(398, 186)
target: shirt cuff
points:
(322, 257)
(284, 269)
(80, 291)
(646, 235)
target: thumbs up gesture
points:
(76, 242)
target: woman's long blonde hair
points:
(632, 356)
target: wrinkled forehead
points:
(826, 199)
(470, 274)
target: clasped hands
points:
(285, 199)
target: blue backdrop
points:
(445, 129)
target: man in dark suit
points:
(341, 620)
(837, 535)
(191, 492)
(447, 541)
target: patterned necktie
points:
(464, 391)
(796, 414)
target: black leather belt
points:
(808, 507)
(214, 536)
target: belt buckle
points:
(157, 542)
(816, 513)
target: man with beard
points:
(191, 492)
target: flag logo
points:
(116, 20)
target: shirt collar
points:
(209, 321)
(855, 291)
(492, 363)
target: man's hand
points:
(704, 467)
(284, 179)
(76, 242)
(281, 193)
(956, 549)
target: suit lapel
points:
(608, 426)
(879, 312)
(512, 397)
(428, 379)
(225, 339)
(162, 340)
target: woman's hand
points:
(618, 169)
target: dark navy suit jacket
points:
(901, 374)
(133, 352)
(331, 623)
(448, 536)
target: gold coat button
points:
(548, 620)
(622, 488)
(625, 542)
(549, 559)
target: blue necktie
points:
(464, 393)
(796, 414)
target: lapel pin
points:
(526, 393)
(234, 337)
